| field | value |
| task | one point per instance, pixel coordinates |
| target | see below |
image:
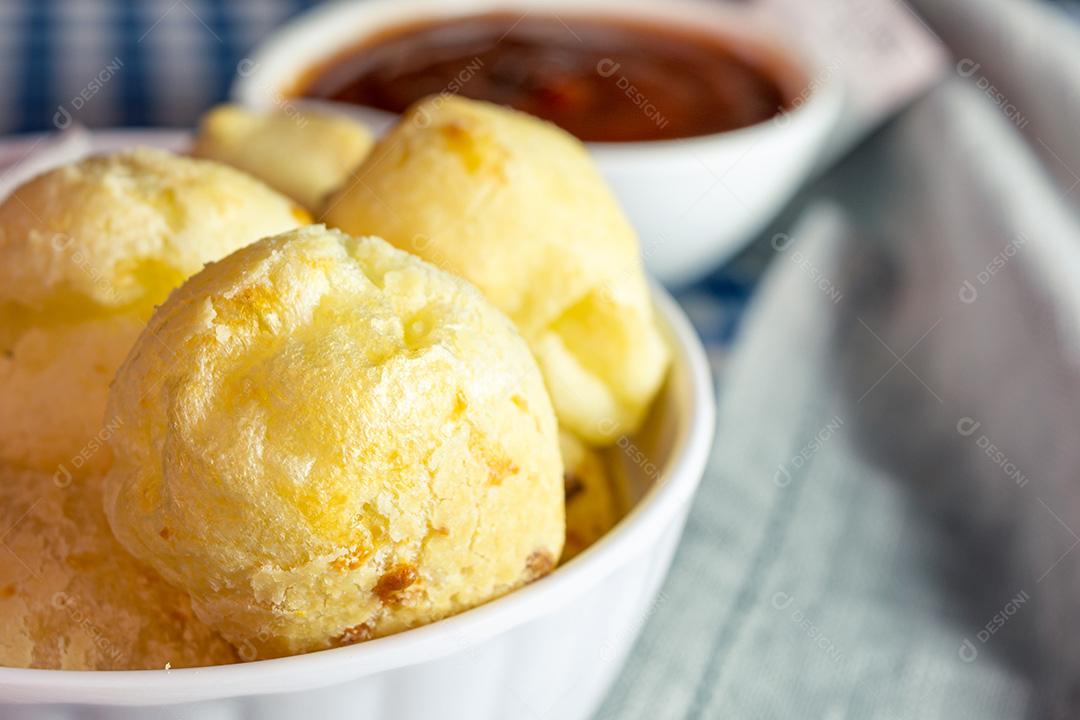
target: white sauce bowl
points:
(695, 202)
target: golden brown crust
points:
(328, 428)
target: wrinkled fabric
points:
(889, 526)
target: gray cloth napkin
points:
(890, 524)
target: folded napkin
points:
(890, 525)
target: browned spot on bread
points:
(465, 143)
(502, 470)
(572, 485)
(392, 582)
(351, 561)
(353, 635)
(500, 466)
(460, 142)
(7, 591)
(539, 564)
(165, 533)
(455, 132)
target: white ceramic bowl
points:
(549, 650)
(695, 202)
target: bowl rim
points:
(654, 512)
(822, 94)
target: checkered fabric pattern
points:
(113, 63)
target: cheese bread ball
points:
(300, 152)
(515, 205)
(593, 504)
(72, 598)
(324, 439)
(86, 251)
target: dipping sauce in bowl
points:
(602, 80)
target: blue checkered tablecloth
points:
(146, 63)
(124, 63)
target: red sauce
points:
(601, 80)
